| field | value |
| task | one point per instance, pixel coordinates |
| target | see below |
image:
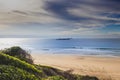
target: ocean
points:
(76, 46)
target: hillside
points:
(16, 65)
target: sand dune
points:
(107, 68)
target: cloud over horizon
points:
(34, 17)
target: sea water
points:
(77, 46)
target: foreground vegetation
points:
(17, 64)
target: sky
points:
(60, 18)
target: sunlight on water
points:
(8, 42)
(73, 46)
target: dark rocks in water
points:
(45, 49)
(64, 39)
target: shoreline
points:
(102, 67)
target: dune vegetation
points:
(17, 64)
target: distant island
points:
(64, 39)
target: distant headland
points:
(64, 39)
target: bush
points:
(57, 74)
(49, 71)
(13, 73)
(18, 52)
(15, 65)
(78, 77)
(9, 60)
(55, 78)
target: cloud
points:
(90, 33)
(2, 26)
(22, 11)
(75, 17)
(81, 31)
(87, 12)
(60, 11)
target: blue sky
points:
(60, 18)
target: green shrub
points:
(78, 77)
(55, 78)
(17, 64)
(66, 75)
(9, 60)
(49, 71)
(14, 73)
(18, 52)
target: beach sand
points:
(105, 68)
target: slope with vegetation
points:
(17, 64)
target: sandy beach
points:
(105, 68)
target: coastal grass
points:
(15, 68)
(63, 75)
(8, 72)
(18, 52)
(13, 61)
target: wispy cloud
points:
(58, 17)
(87, 11)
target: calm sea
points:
(101, 47)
